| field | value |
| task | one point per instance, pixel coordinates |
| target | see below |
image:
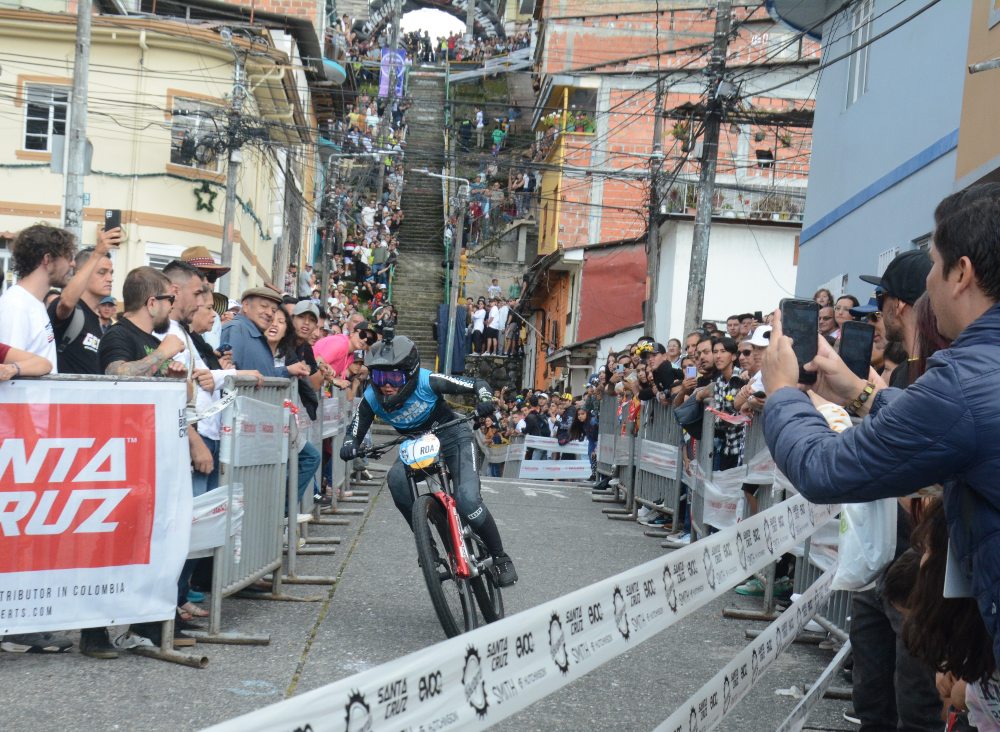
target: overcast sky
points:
(435, 22)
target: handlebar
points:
(377, 451)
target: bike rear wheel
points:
(486, 587)
(449, 594)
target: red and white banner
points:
(95, 502)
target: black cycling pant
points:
(459, 453)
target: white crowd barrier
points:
(96, 509)
(94, 514)
(480, 678)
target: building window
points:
(923, 242)
(194, 134)
(45, 115)
(159, 256)
(857, 67)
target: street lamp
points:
(456, 258)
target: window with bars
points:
(857, 67)
(884, 258)
(45, 111)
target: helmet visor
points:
(394, 378)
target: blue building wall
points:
(880, 165)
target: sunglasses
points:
(389, 378)
(874, 317)
(746, 353)
(368, 337)
(168, 298)
(211, 277)
(880, 300)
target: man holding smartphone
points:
(890, 687)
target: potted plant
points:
(681, 130)
(759, 136)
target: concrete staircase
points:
(418, 287)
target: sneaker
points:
(365, 475)
(94, 642)
(751, 588)
(851, 716)
(656, 521)
(506, 574)
(195, 596)
(645, 513)
(36, 643)
(154, 631)
(321, 499)
(684, 538)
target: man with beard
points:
(129, 348)
(42, 259)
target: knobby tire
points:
(430, 522)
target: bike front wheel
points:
(449, 593)
(486, 586)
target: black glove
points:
(348, 451)
(486, 409)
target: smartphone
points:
(800, 322)
(112, 218)
(758, 316)
(856, 341)
(620, 368)
(690, 372)
(759, 395)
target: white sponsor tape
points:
(708, 706)
(475, 680)
(551, 444)
(658, 458)
(555, 469)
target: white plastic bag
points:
(867, 542)
(208, 521)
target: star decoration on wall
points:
(206, 198)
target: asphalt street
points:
(379, 610)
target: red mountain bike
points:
(465, 568)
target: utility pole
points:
(233, 167)
(77, 143)
(383, 123)
(329, 234)
(709, 158)
(653, 231)
(456, 262)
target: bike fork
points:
(463, 564)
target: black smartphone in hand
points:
(800, 322)
(112, 218)
(856, 340)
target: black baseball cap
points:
(906, 276)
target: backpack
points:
(73, 330)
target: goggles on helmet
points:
(394, 378)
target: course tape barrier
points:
(708, 706)
(475, 680)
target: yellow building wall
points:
(135, 78)
(978, 143)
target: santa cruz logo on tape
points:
(359, 714)
(741, 549)
(557, 644)
(473, 683)
(768, 538)
(669, 591)
(621, 616)
(706, 559)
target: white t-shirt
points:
(494, 291)
(494, 321)
(479, 119)
(504, 311)
(478, 317)
(368, 216)
(25, 324)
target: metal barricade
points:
(253, 456)
(515, 456)
(308, 432)
(607, 433)
(701, 468)
(625, 460)
(658, 463)
(836, 620)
